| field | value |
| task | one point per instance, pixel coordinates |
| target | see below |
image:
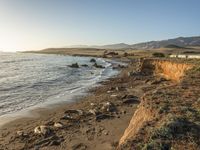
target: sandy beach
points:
(87, 130)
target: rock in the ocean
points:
(42, 130)
(98, 66)
(92, 60)
(75, 65)
(84, 65)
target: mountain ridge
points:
(179, 42)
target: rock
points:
(113, 95)
(98, 66)
(118, 66)
(84, 65)
(108, 106)
(75, 65)
(58, 125)
(42, 130)
(129, 74)
(92, 104)
(55, 142)
(105, 132)
(92, 60)
(67, 117)
(130, 99)
(103, 116)
(20, 133)
(72, 114)
(79, 146)
(73, 111)
(94, 111)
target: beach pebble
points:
(108, 106)
(93, 111)
(67, 117)
(58, 125)
(105, 132)
(113, 95)
(42, 130)
(20, 133)
(92, 104)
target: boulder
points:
(75, 65)
(94, 111)
(84, 65)
(21, 133)
(98, 66)
(108, 107)
(103, 116)
(42, 130)
(67, 117)
(92, 60)
(72, 114)
(74, 111)
(130, 99)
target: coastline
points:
(73, 97)
(124, 112)
(53, 114)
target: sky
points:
(38, 24)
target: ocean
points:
(34, 80)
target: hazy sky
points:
(37, 24)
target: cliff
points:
(168, 69)
(160, 117)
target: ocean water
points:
(31, 80)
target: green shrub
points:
(158, 54)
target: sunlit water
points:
(28, 80)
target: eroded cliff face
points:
(140, 116)
(167, 69)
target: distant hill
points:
(180, 42)
(177, 42)
(114, 46)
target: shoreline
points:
(32, 112)
(47, 115)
